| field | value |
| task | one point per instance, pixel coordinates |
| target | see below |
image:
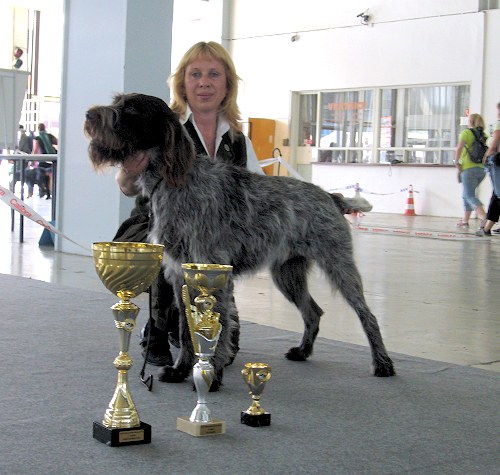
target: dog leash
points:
(148, 381)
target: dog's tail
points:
(358, 203)
(351, 205)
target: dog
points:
(208, 211)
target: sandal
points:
(461, 224)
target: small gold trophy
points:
(256, 375)
(205, 329)
(126, 269)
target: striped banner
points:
(21, 207)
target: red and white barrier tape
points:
(417, 233)
(21, 207)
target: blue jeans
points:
(471, 179)
(494, 171)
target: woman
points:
(470, 174)
(493, 164)
(204, 88)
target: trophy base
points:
(201, 429)
(116, 437)
(260, 420)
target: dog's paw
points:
(215, 386)
(384, 368)
(169, 374)
(296, 354)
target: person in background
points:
(470, 174)
(44, 144)
(492, 161)
(25, 145)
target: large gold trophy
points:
(205, 329)
(126, 269)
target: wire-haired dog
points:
(208, 211)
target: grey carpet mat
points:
(329, 415)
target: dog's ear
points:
(178, 152)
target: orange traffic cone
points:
(410, 205)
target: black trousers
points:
(493, 213)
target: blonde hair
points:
(229, 107)
(476, 121)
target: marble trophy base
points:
(200, 429)
(260, 420)
(115, 437)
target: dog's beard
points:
(105, 155)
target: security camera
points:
(365, 17)
(294, 38)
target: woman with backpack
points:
(470, 171)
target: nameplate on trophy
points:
(117, 437)
(200, 429)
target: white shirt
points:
(222, 128)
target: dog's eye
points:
(131, 110)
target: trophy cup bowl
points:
(126, 269)
(204, 328)
(256, 375)
(206, 278)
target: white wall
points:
(437, 190)
(407, 42)
(420, 51)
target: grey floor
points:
(435, 291)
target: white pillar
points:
(109, 47)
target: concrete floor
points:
(435, 298)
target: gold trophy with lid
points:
(126, 269)
(204, 328)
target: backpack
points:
(478, 149)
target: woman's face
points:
(205, 84)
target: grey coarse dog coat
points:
(209, 211)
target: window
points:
(410, 124)
(307, 119)
(346, 125)
(421, 124)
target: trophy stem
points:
(203, 375)
(121, 412)
(255, 409)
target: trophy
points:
(126, 269)
(204, 328)
(256, 375)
